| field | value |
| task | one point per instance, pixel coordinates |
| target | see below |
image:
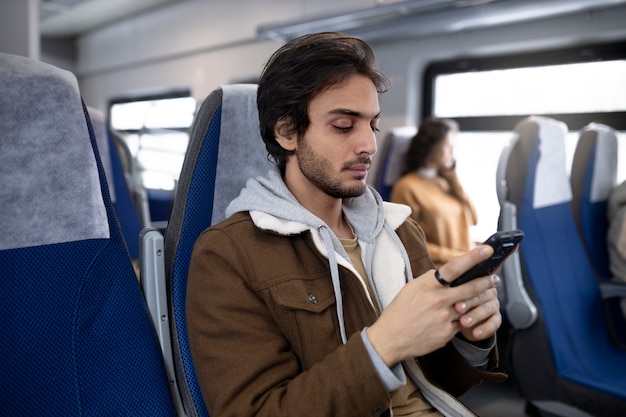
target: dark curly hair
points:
(300, 70)
(431, 132)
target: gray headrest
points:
(242, 152)
(50, 188)
(551, 178)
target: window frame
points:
(579, 54)
(162, 95)
(178, 93)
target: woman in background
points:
(430, 186)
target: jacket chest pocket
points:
(305, 312)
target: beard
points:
(318, 171)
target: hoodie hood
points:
(270, 195)
(273, 207)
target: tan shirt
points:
(443, 211)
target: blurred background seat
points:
(593, 178)
(395, 146)
(113, 152)
(563, 362)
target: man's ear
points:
(282, 132)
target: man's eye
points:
(343, 128)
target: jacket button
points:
(312, 298)
(377, 411)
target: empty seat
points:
(77, 338)
(120, 192)
(391, 162)
(564, 361)
(593, 178)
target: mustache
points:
(361, 160)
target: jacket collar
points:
(394, 213)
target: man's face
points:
(335, 152)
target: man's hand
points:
(481, 316)
(426, 315)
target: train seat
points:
(395, 146)
(563, 362)
(225, 149)
(593, 178)
(129, 171)
(76, 334)
(119, 190)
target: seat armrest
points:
(520, 310)
(152, 276)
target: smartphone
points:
(504, 243)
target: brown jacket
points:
(264, 335)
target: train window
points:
(487, 96)
(156, 129)
(535, 90)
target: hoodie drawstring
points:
(334, 273)
(334, 269)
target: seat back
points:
(128, 167)
(564, 362)
(225, 149)
(396, 144)
(121, 194)
(76, 335)
(593, 177)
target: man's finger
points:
(456, 267)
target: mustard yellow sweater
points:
(442, 209)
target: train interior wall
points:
(200, 45)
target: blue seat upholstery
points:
(396, 144)
(593, 178)
(225, 149)
(76, 339)
(160, 207)
(564, 362)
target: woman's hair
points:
(300, 70)
(431, 132)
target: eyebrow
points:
(353, 113)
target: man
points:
(303, 302)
